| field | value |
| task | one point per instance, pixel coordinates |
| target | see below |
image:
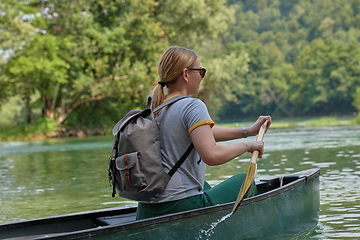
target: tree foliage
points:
(80, 55)
(307, 56)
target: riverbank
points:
(46, 129)
(324, 121)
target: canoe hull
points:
(281, 213)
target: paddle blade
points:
(246, 185)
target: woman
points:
(186, 121)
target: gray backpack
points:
(135, 166)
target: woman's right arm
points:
(226, 133)
(216, 154)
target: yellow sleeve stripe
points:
(210, 122)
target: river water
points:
(60, 176)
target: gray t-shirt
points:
(176, 124)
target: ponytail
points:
(159, 95)
(170, 66)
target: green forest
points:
(81, 64)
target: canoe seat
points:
(117, 219)
(270, 184)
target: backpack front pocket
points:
(129, 171)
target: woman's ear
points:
(184, 74)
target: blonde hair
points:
(170, 66)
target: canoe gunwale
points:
(67, 217)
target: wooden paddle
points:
(251, 171)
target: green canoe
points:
(286, 206)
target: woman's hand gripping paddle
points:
(251, 171)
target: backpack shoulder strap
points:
(128, 117)
(181, 160)
(190, 148)
(168, 102)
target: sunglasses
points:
(202, 71)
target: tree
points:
(87, 51)
(15, 25)
(38, 68)
(278, 77)
(190, 22)
(224, 80)
(16, 31)
(327, 73)
(75, 59)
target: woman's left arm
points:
(226, 133)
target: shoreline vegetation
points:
(47, 129)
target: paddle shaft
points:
(260, 137)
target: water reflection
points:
(59, 176)
(53, 145)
